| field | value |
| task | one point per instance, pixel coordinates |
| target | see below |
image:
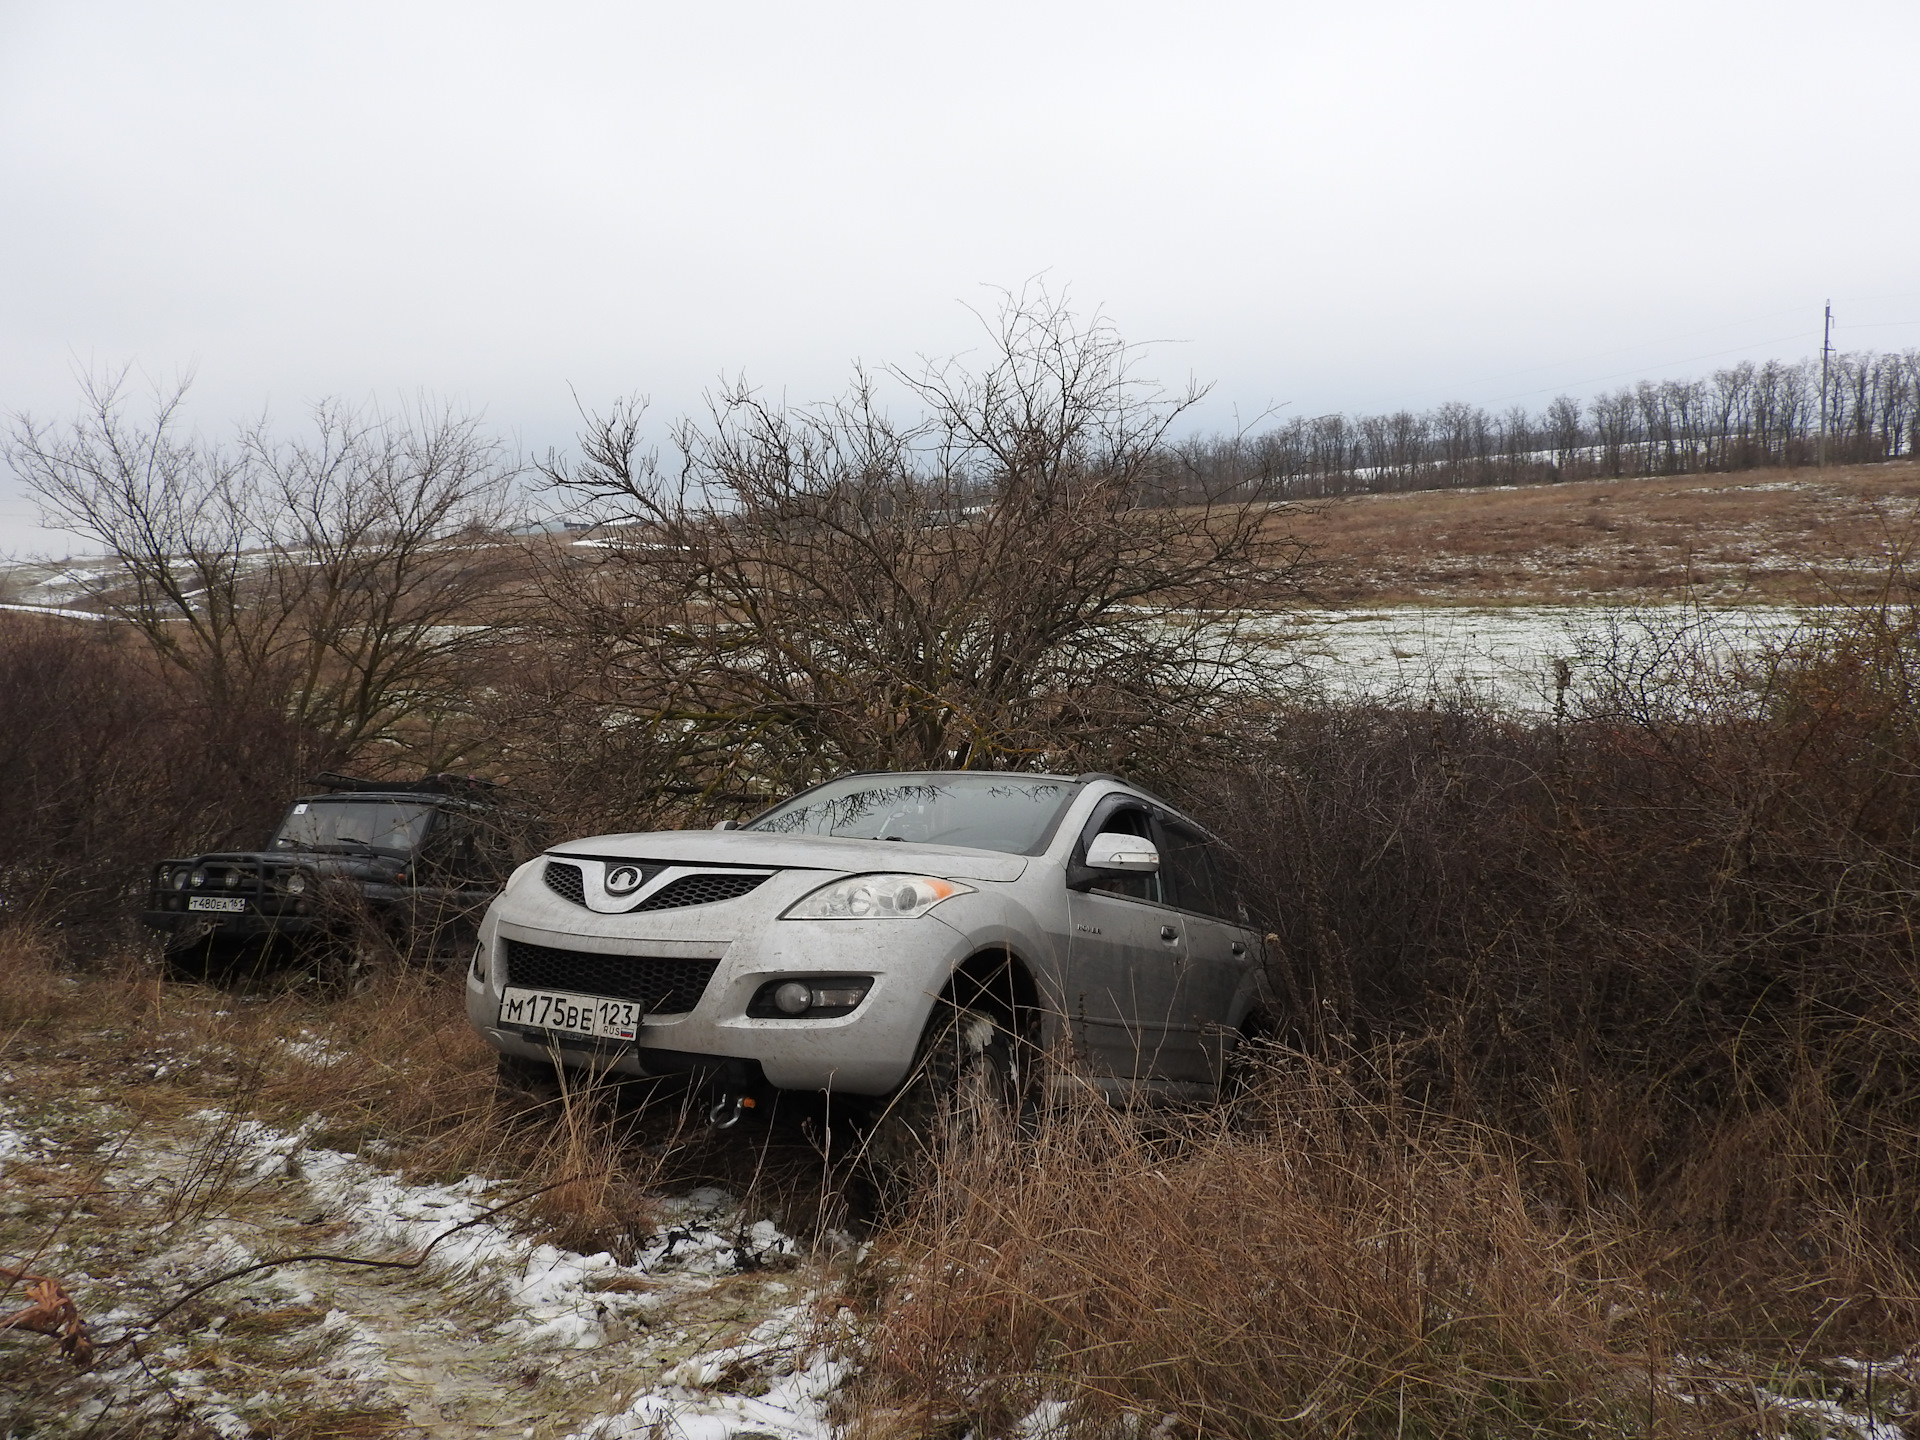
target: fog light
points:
(199, 878)
(825, 997)
(296, 884)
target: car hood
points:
(798, 852)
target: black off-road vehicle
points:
(413, 863)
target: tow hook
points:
(728, 1111)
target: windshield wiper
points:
(349, 847)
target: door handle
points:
(1167, 932)
(1239, 947)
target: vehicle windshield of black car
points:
(389, 825)
(984, 812)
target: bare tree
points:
(1000, 583)
(336, 580)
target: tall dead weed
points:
(1321, 1260)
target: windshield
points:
(396, 825)
(1011, 813)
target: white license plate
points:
(215, 902)
(574, 1014)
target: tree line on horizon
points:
(1748, 416)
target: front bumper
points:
(867, 1052)
(246, 925)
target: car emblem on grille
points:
(624, 879)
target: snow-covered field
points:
(1504, 655)
(1507, 656)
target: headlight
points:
(875, 897)
(199, 878)
(296, 884)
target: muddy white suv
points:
(840, 939)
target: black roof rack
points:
(445, 783)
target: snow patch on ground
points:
(1508, 655)
(779, 1381)
(13, 1142)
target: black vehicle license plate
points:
(593, 1015)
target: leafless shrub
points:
(108, 765)
(999, 583)
(1665, 943)
(338, 580)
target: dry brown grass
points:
(388, 1067)
(394, 1063)
(1613, 1127)
(1332, 1261)
(1794, 535)
(32, 991)
(1322, 1262)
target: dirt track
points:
(133, 1177)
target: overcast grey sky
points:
(1348, 206)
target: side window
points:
(1133, 887)
(1230, 883)
(496, 850)
(1193, 872)
(453, 849)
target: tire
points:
(218, 962)
(1243, 1071)
(526, 1084)
(965, 1085)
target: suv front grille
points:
(661, 986)
(569, 882)
(566, 882)
(260, 885)
(698, 890)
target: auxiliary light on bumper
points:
(812, 998)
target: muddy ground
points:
(147, 1148)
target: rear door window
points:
(1195, 880)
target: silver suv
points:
(839, 940)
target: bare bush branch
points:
(1021, 576)
(335, 578)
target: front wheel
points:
(965, 1085)
(527, 1084)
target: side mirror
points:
(728, 825)
(1127, 854)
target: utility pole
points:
(1826, 356)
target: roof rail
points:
(444, 783)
